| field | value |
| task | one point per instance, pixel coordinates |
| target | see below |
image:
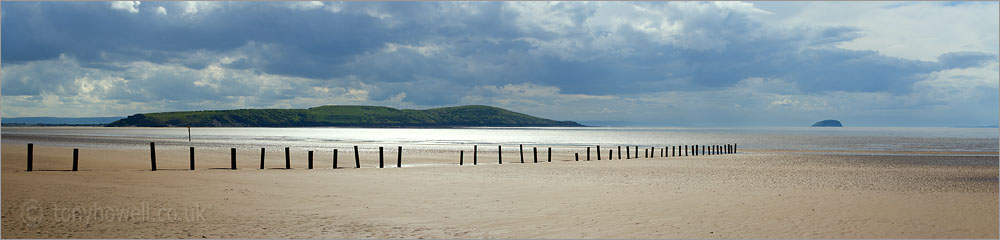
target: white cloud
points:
(161, 10)
(128, 6)
(307, 5)
(918, 30)
(198, 7)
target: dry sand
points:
(749, 195)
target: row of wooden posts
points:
(666, 151)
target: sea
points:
(845, 140)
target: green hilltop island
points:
(828, 123)
(343, 116)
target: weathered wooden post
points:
(645, 153)
(636, 152)
(550, 154)
(76, 158)
(534, 152)
(500, 154)
(577, 156)
(702, 149)
(619, 152)
(152, 155)
(598, 152)
(685, 150)
(232, 157)
(31, 156)
(588, 153)
(357, 159)
(461, 157)
(611, 152)
(628, 152)
(334, 158)
(399, 156)
(380, 165)
(191, 150)
(261, 158)
(521, 147)
(734, 148)
(475, 151)
(310, 159)
(288, 159)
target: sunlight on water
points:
(798, 138)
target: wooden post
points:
(261, 158)
(152, 155)
(734, 148)
(310, 159)
(31, 154)
(611, 152)
(628, 152)
(76, 158)
(645, 152)
(232, 157)
(588, 153)
(550, 154)
(500, 154)
(334, 158)
(521, 147)
(577, 156)
(380, 165)
(461, 157)
(702, 149)
(685, 150)
(475, 151)
(598, 152)
(399, 156)
(619, 152)
(191, 151)
(357, 160)
(288, 159)
(534, 152)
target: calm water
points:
(788, 138)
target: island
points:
(828, 123)
(344, 116)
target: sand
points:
(749, 195)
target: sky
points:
(647, 63)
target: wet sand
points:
(747, 195)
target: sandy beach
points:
(765, 194)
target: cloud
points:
(567, 60)
(128, 6)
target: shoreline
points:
(754, 195)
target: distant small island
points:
(828, 123)
(344, 116)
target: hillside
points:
(346, 116)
